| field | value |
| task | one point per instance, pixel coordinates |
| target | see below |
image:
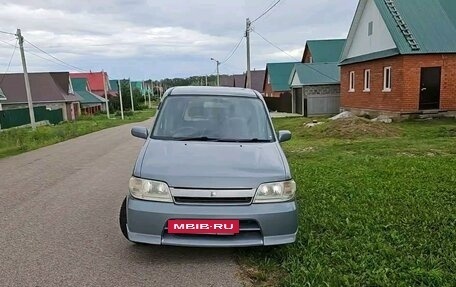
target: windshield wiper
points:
(202, 139)
(253, 140)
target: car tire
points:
(123, 219)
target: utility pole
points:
(106, 93)
(131, 97)
(121, 102)
(247, 35)
(26, 79)
(144, 93)
(218, 70)
(206, 80)
(149, 92)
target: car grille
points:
(212, 196)
(209, 200)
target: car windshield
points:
(213, 118)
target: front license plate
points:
(203, 226)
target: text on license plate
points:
(203, 226)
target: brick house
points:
(323, 51)
(400, 58)
(276, 79)
(89, 102)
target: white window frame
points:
(351, 87)
(367, 80)
(387, 80)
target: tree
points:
(138, 98)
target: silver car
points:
(211, 174)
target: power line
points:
(9, 63)
(61, 61)
(309, 66)
(266, 12)
(6, 43)
(274, 45)
(233, 51)
(7, 33)
(38, 56)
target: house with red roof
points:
(98, 82)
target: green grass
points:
(16, 141)
(373, 211)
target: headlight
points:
(275, 192)
(149, 190)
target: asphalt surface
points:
(59, 209)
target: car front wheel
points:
(123, 218)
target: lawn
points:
(377, 207)
(16, 141)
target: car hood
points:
(212, 164)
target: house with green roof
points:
(90, 103)
(400, 58)
(323, 51)
(276, 79)
(114, 85)
(316, 89)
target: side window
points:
(367, 80)
(387, 79)
(352, 82)
(370, 28)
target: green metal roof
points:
(316, 74)
(326, 51)
(371, 56)
(431, 23)
(416, 27)
(2, 95)
(114, 85)
(85, 97)
(137, 85)
(279, 74)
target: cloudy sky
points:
(164, 38)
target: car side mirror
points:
(284, 136)
(140, 132)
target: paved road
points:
(59, 222)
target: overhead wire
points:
(55, 58)
(7, 33)
(233, 51)
(309, 66)
(41, 57)
(9, 64)
(266, 12)
(274, 45)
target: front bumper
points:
(260, 224)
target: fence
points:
(20, 117)
(323, 105)
(279, 104)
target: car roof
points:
(212, 91)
